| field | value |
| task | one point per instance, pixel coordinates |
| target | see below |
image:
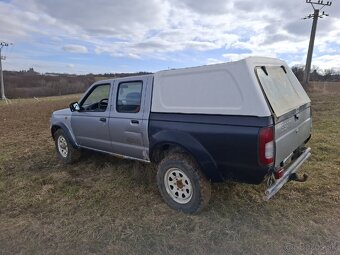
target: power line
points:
(317, 14)
(2, 87)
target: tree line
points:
(317, 74)
(28, 84)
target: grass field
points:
(101, 205)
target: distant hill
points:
(28, 84)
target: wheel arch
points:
(55, 127)
(167, 141)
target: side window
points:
(97, 100)
(129, 96)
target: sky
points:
(88, 36)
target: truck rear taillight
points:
(266, 146)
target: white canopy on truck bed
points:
(229, 88)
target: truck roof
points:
(124, 78)
(250, 61)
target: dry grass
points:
(99, 206)
(325, 87)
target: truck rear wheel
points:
(182, 184)
(65, 150)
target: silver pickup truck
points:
(247, 121)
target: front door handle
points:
(102, 119)
(134, 122)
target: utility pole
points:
(315, 17)
(2, 88)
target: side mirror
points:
(75, 107)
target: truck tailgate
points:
(292, 132)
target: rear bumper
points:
(293, 168)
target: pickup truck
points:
(246, 121)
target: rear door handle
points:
(103, 119)
(134, 122)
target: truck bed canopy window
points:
(283, 92)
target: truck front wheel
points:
(65, 150)
(182, 184)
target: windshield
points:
(283, 92)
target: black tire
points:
(198, 196)
(67, 154)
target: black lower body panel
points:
(226, 147)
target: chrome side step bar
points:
(272, 190)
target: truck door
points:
(90, 124)
(128, 122)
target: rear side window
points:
(283, 93)
(129, 97)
